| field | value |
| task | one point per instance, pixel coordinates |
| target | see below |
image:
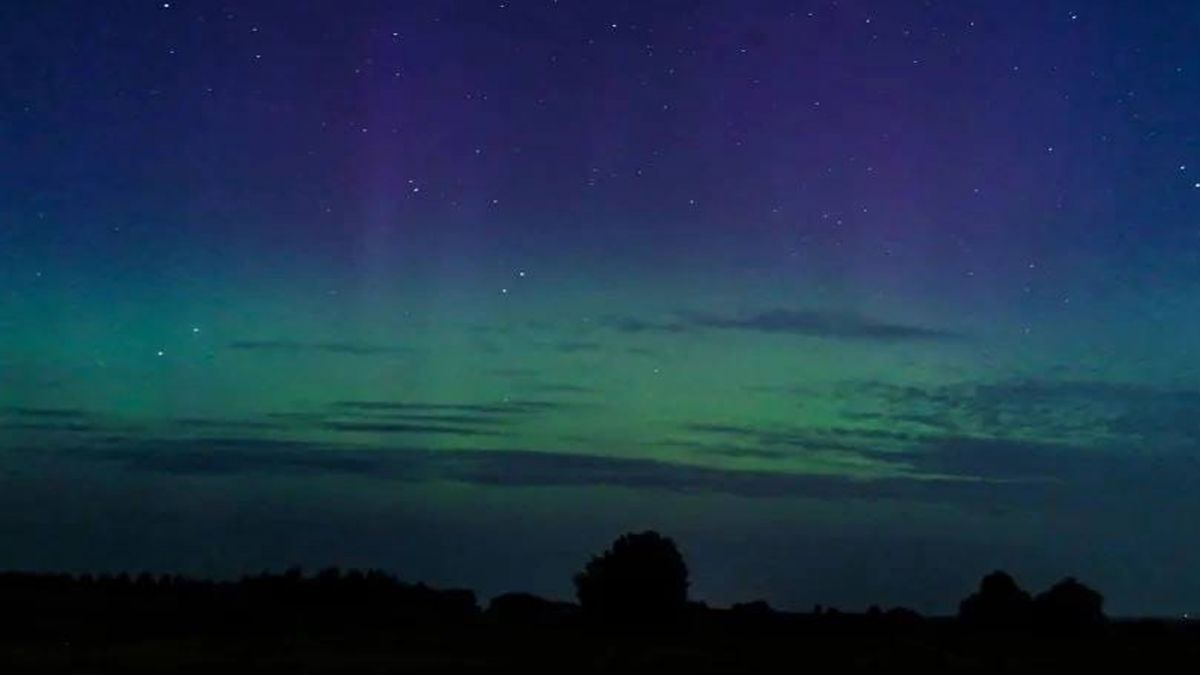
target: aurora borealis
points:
(855, 300)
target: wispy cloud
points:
(821, 323)
(221, 424)
(562, 388)
(48, 420)
(1006, 459)
(1076, 411)
(801, 439)
(343, 348)
(627, 324)
(505, 407)
(424, 417)
(44, 413)
(407, 428)
(574, 346)
(842, 325)
(52, 426)
(229, 456)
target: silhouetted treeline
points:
(633, 611)
(1001, 604)
(33, 604)
(642, 579)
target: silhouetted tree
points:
(642, 578)
(999, 603)
(1069, 605)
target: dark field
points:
(372, 624)
(485, 647)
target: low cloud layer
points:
(834, 325)
(294, 346)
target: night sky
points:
(858, 301)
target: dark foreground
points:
(936, 647)
(371, 622)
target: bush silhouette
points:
(999, 603)
(529, 609)
(752, 608)
(642, 578)
(1069, 605)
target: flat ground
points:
(932, 646)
